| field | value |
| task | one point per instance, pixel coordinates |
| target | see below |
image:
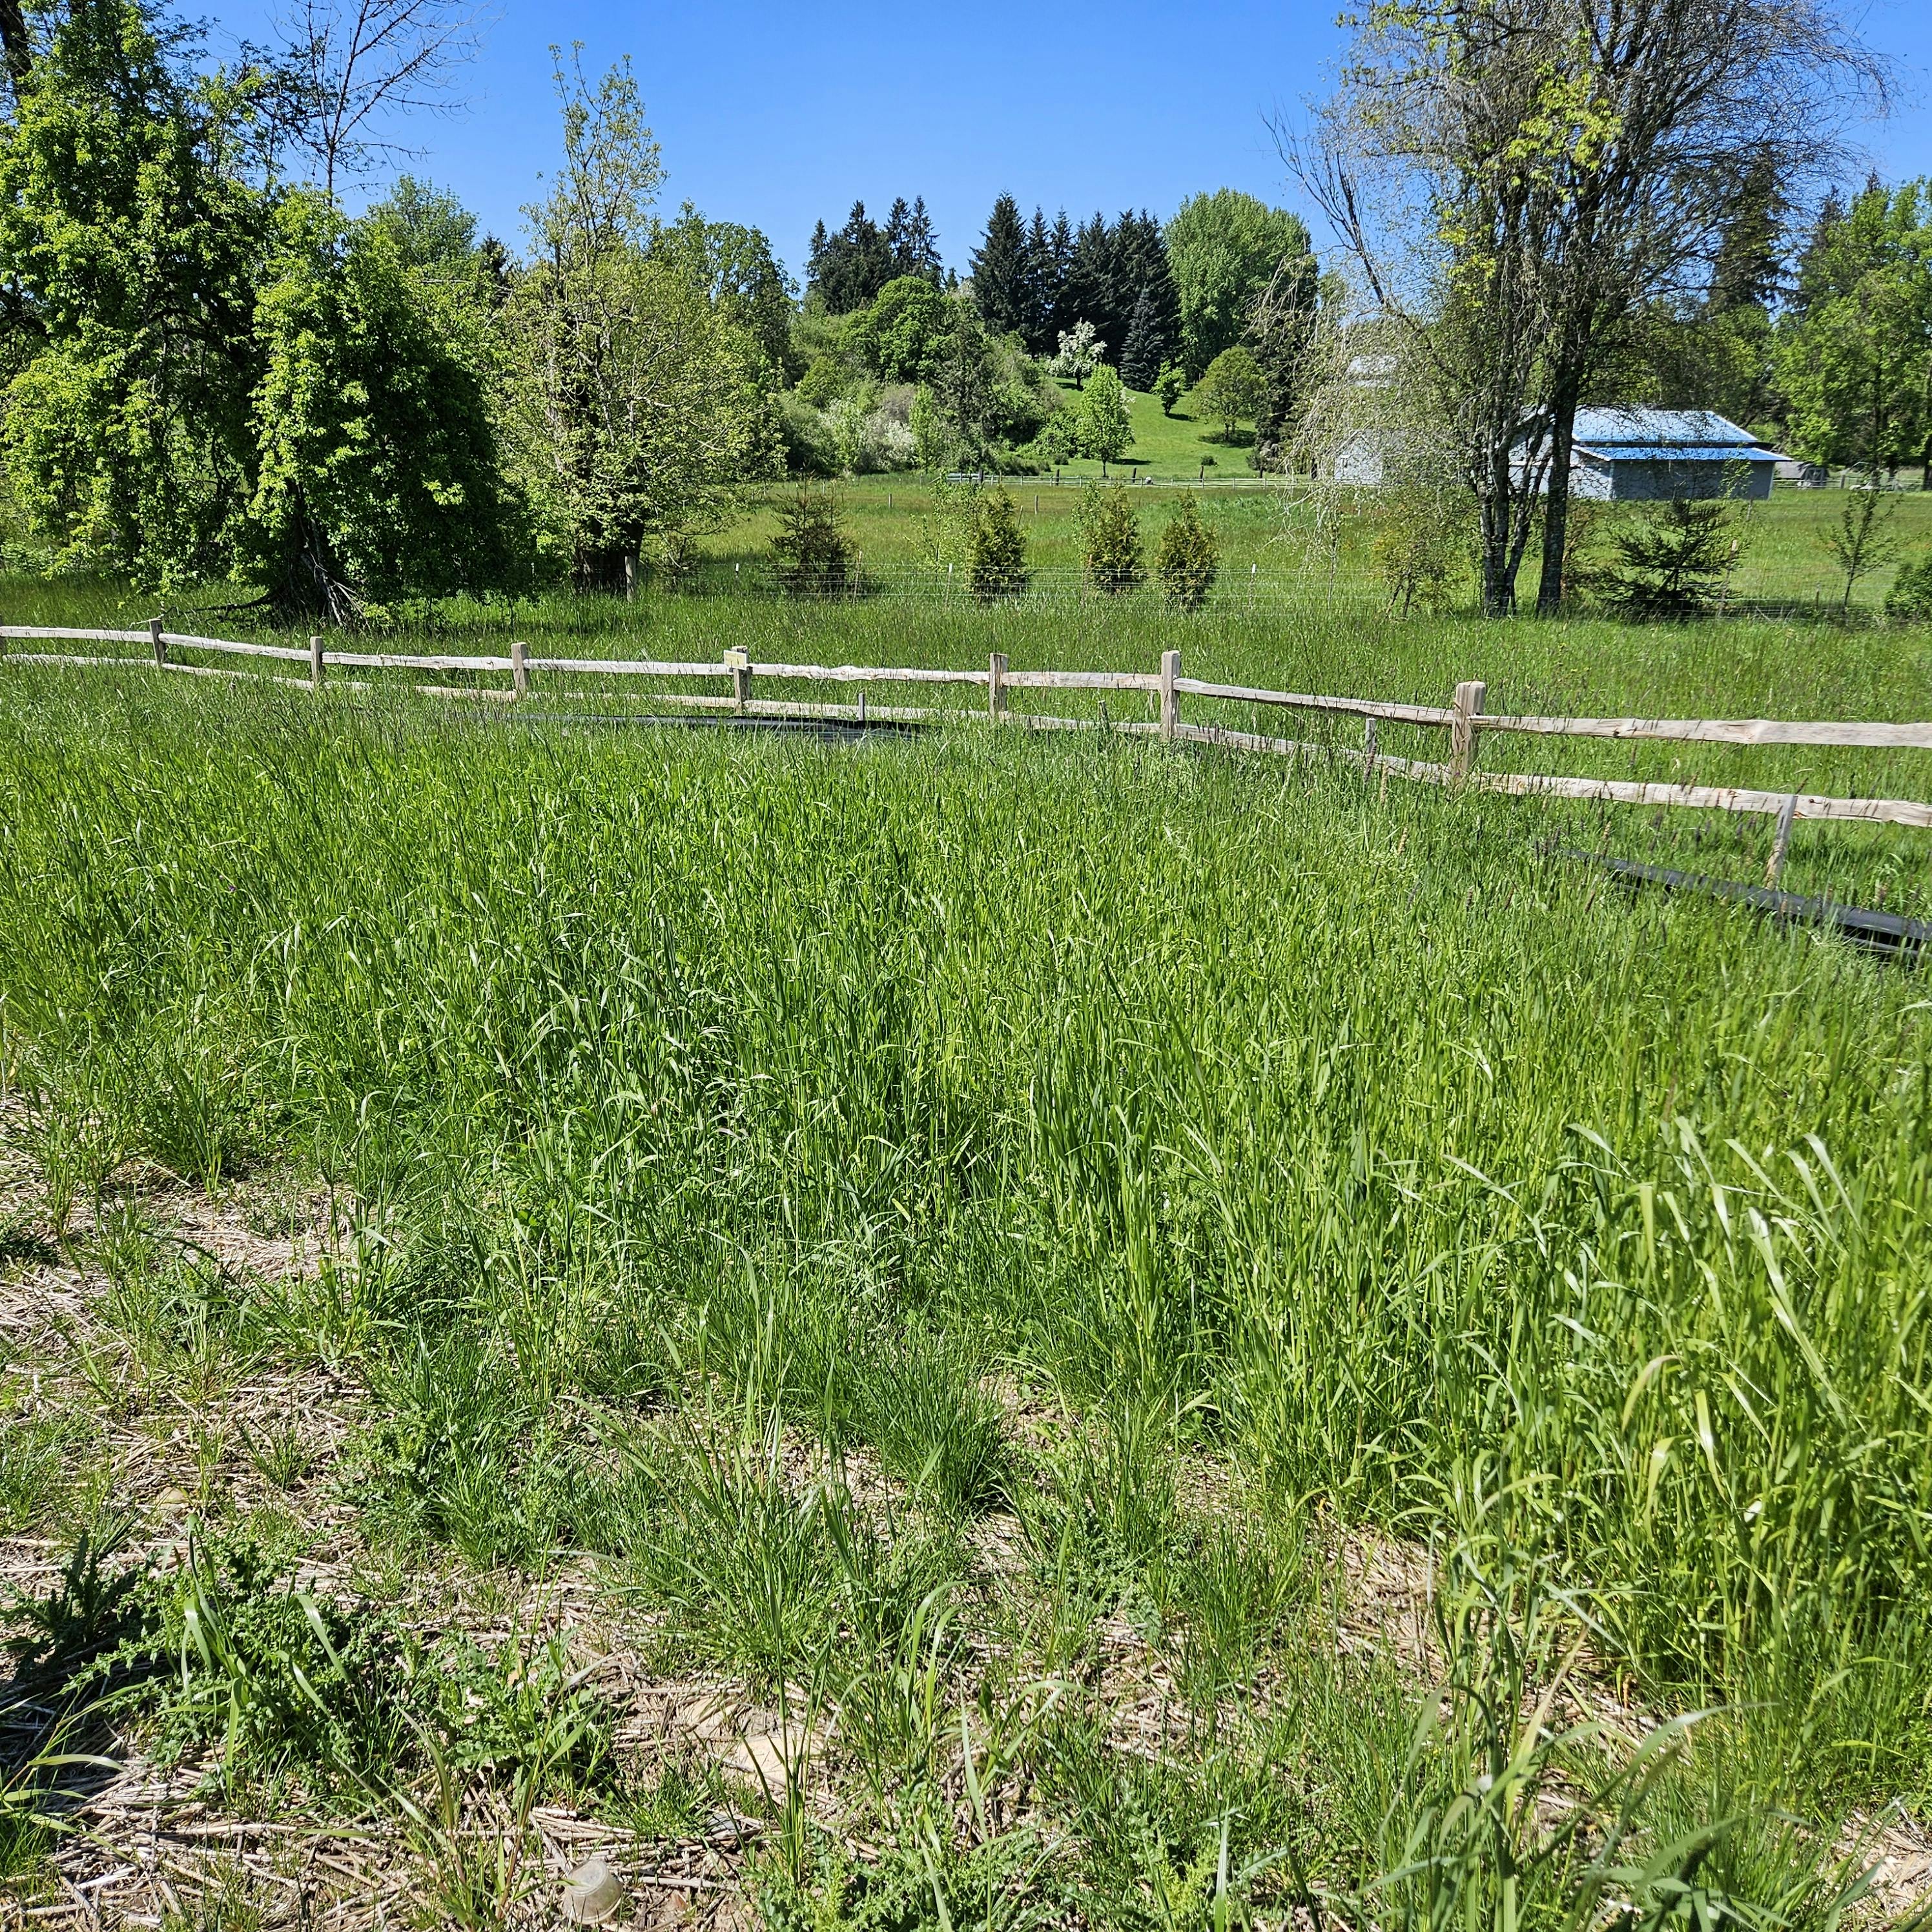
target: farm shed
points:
(1628, 455)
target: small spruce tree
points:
(814, 556)
(1110, 541)
(1187, 559)
(996, 549)
(1670, 563)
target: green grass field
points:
(991, 1328)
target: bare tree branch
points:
(354, 63)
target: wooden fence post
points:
(1368, 744)
(1170, 698)
(315, 669)
(160, 644)
(1781, 845)
(520, 671)
(996, 687)
(1467, 706)
(739, 663)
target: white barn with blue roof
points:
(1630, 455)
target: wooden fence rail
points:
(1464, 719)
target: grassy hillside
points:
(946, 1305)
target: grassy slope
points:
(1276, 1139)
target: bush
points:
(1909, 599)
(1670, 563)
(1168, 387)
(1110, 535)
(996, 549)
(814, 555)
(1188, 558)
(1231, 392)
(1420, 544)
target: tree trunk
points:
(1556, 508)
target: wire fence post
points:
(519, 669)
(158, 641)
(1170, 698)
(315, 666)
(996, 687)
(1467, 706)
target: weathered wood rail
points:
(1464, 717)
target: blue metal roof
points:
(1701, 429)
(1678, 452)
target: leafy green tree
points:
(1169, 388)
(378, 476)
(1232, 390)
(1106, 430)
(1110, 540)
(135, 241)
(1224, 248)
(929, 429)
(964, 379)
(996, 549)
(898, 337)
(1855, 354)
(735, 266)
(640, 410)
(1188, 558)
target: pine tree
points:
(1042, 287)
(1000, 270)
(849, 268)
(1090, 282)
(1146, 349)
(911, 242)
(1061, 242)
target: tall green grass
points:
(1327, 1132)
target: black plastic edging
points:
(1888, 932)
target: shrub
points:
(1670, 563)
(1169, 388)
(1909, 599)
(1420, 544)
(815, 557)
(1110, 534)
(996, 549)
(1188, 558)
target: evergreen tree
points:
(911, 243)
(996, 549)
(1000, 279)
(1278, 333)
(1060, 242)
(847, 269)
(1146, 348)
(1090, 282)
(1187, 558)
(1141, 266)
(813, 555)
(1043, 281)
(1750, 256)
(1110, 539)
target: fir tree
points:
(849, 268)
(1110, 539)
(1187, 558)
(1146, 348)
(1060, 242)
(1090, 282)
(1042, 287)
(812, 555)
(910, 242)
(1000, 290)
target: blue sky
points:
(779, 114)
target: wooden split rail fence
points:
(1464, 719)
